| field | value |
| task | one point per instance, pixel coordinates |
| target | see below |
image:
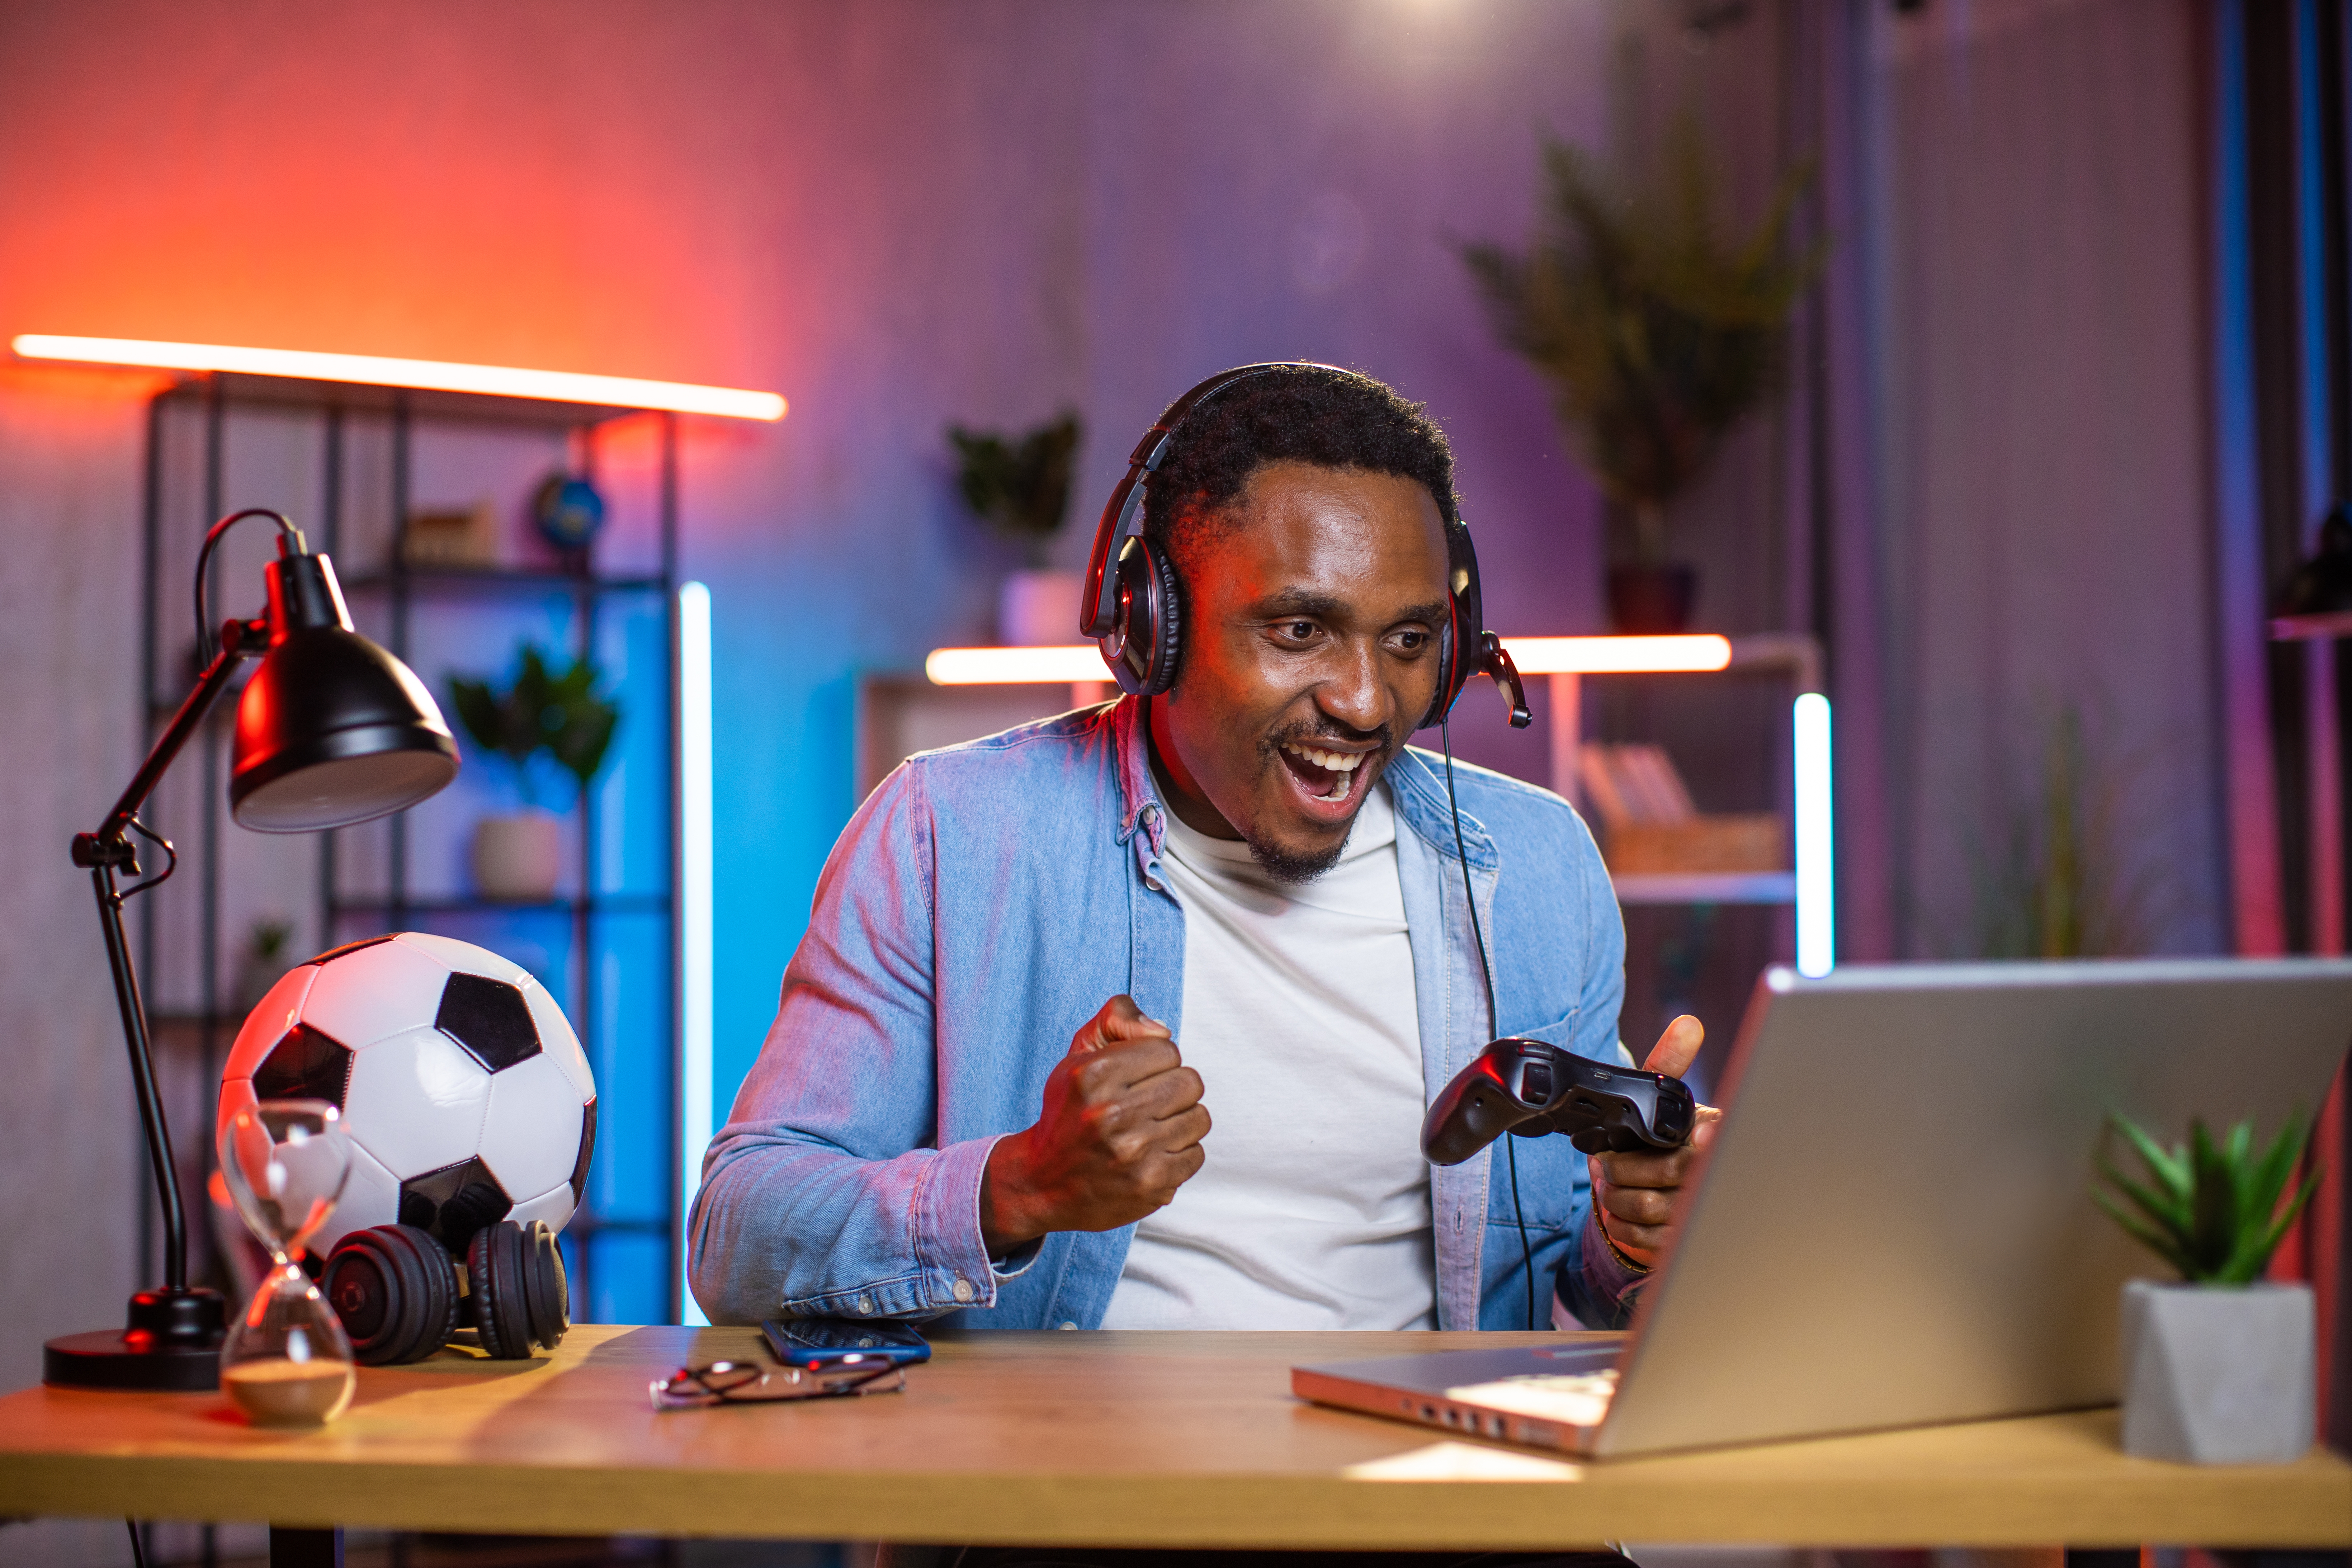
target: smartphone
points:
(825, 1342)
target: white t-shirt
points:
(1311, 1209)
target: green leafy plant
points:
(562, 715)
(265, 939)
(1657, 332)
(2057, 880)
(2212, 1210)
(1019, 485)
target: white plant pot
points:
(519, 859)
(1038, 609)
(2218, 1375)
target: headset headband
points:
(1122, 517)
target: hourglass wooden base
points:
(172, 1346)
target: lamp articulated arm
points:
(110, 850)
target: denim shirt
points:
(982, 905)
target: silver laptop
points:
(1894, 1225)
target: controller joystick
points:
(1529, 1089)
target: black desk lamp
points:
(331, 731)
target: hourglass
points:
(286, 1362)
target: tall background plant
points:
(1658, 331)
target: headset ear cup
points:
(1142, 647)
(1465, 617)
(546, 1293)
(1168, 645)
(395, 1292)
(494, 1260)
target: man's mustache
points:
(1384, 737)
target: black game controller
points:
(1529, 1088)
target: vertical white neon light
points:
(694, 910)
(1816, 871)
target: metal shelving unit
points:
(387, 596)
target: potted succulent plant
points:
(1658, 334)
(2218, 1367)
(1020, 486)
(519, 858)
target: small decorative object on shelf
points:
(1652, 827)
(263, 961)
(1657, 333)
(1020, 486)
(451, 537)
(2218, 1369)
(519, 858)
(2322, 585)
(287, 1361)
(568, 510)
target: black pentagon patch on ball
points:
(489, 1018)
(587, 1152)
(305, 1065)
(454, 1202)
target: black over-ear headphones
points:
(1132, 608)
(401, 1295)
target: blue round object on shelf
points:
(569, 511)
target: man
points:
(1128, 1018)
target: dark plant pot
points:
(1651, 601)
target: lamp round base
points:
(109, 1358)
(173, 1346)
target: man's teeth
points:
(1336, 762)
(1341, 765)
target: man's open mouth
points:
(1324, 775)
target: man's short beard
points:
(1284, 866)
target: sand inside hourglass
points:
(289, 1392)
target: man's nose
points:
(1353, 693)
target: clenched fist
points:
(1637, 1197)
(1121, 1132)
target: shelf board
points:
(602, 904)
(1707, 887)
(292, 391)
(493, 579)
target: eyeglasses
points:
(748, 1383)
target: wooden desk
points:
(1109, 1439)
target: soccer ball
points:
(464, 1093)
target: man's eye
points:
(1299, 631)
(1411, 642)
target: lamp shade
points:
(331, 731)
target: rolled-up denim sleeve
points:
(1595, 1289)
(825, 1195)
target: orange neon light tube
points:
(423, 375)
(1619, 656)
(1533, 655)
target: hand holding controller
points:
(1529, 1088)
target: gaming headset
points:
(401, 1295)
(1133, 609)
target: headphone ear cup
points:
(395, 1292)
(1142, 647)
(546, 1293)
(494, 1261)
(1464, 620)
(1169, 624)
